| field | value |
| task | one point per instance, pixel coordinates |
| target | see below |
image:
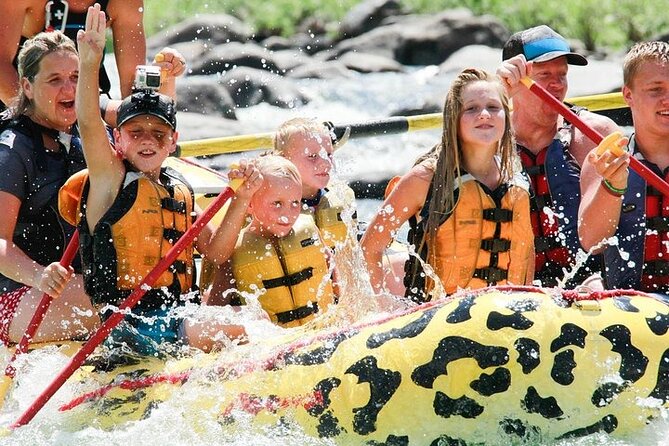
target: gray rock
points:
(204, 95)
(276, 43)
(234, 54)
(250, 86)
(428, 39)
(288, 60)
(311, 43)
(321, 70)
(479, 56)
(212, 29)
(370, 63)
(368, 15)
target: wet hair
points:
(296, 126)
(641, 52)
(445, 157)
(278, 167)
(31, 54)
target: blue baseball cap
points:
(540, 44)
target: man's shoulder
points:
(601, 123)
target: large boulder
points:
(368, 15)
(320, 69)
(212, 29)
(479, 56)
(370, 63)
(234, 54)
(250, 86)
(204, 95)
(428, 39)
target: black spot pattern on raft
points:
(455, 347)
(392, 440)
(328, 425)
(607, 424)
(319, 355)
(382, 386)
(570, 334)
(624, 303)
(498, 382)
(606, 393)
(563, 365)
(411, 330)
(546, 407)
(658, 324)
(528, 353)
(461, 314)
(497, 321)
(633, 362)
(446, 407)
(324, 388)
(517, 428)
(661, 390)
(445, 440)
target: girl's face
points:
(482, 118)
(276, 205)
(312, 155)
(53, 90)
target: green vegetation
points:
(599, 24)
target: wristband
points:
(610, 188)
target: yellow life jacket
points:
(290, 269)
(327, 214)
(482, 242)
(143, 224)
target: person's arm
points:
(405, 200)
(105, 168)
(15, 264)
(11, 25)
(129, 40)
(599, 211)
(217, 244)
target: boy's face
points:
(276, 205)
(312, 155)
(145, 141)
(648, 97)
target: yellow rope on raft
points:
(244, 143)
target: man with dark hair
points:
(551, 149)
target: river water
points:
(362, 98)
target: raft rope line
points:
(253, 404)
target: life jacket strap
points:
(490, 274)
(498, 215)
(290, 279)
(496, 245)
(296, 314)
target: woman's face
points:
(53, 90)
(482, 118)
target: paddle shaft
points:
(42, 307)
(636, 165)
(116, 317)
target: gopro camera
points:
(147, 77)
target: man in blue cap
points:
(551, 149)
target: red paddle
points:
(36, 320)
(128, 303)
(647, 174)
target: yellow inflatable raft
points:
(514, 361)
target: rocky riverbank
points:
(231, 69)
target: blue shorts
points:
(148, 332)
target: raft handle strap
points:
(496, 244)
(490, 274)
(296, 314)
(290, 279)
